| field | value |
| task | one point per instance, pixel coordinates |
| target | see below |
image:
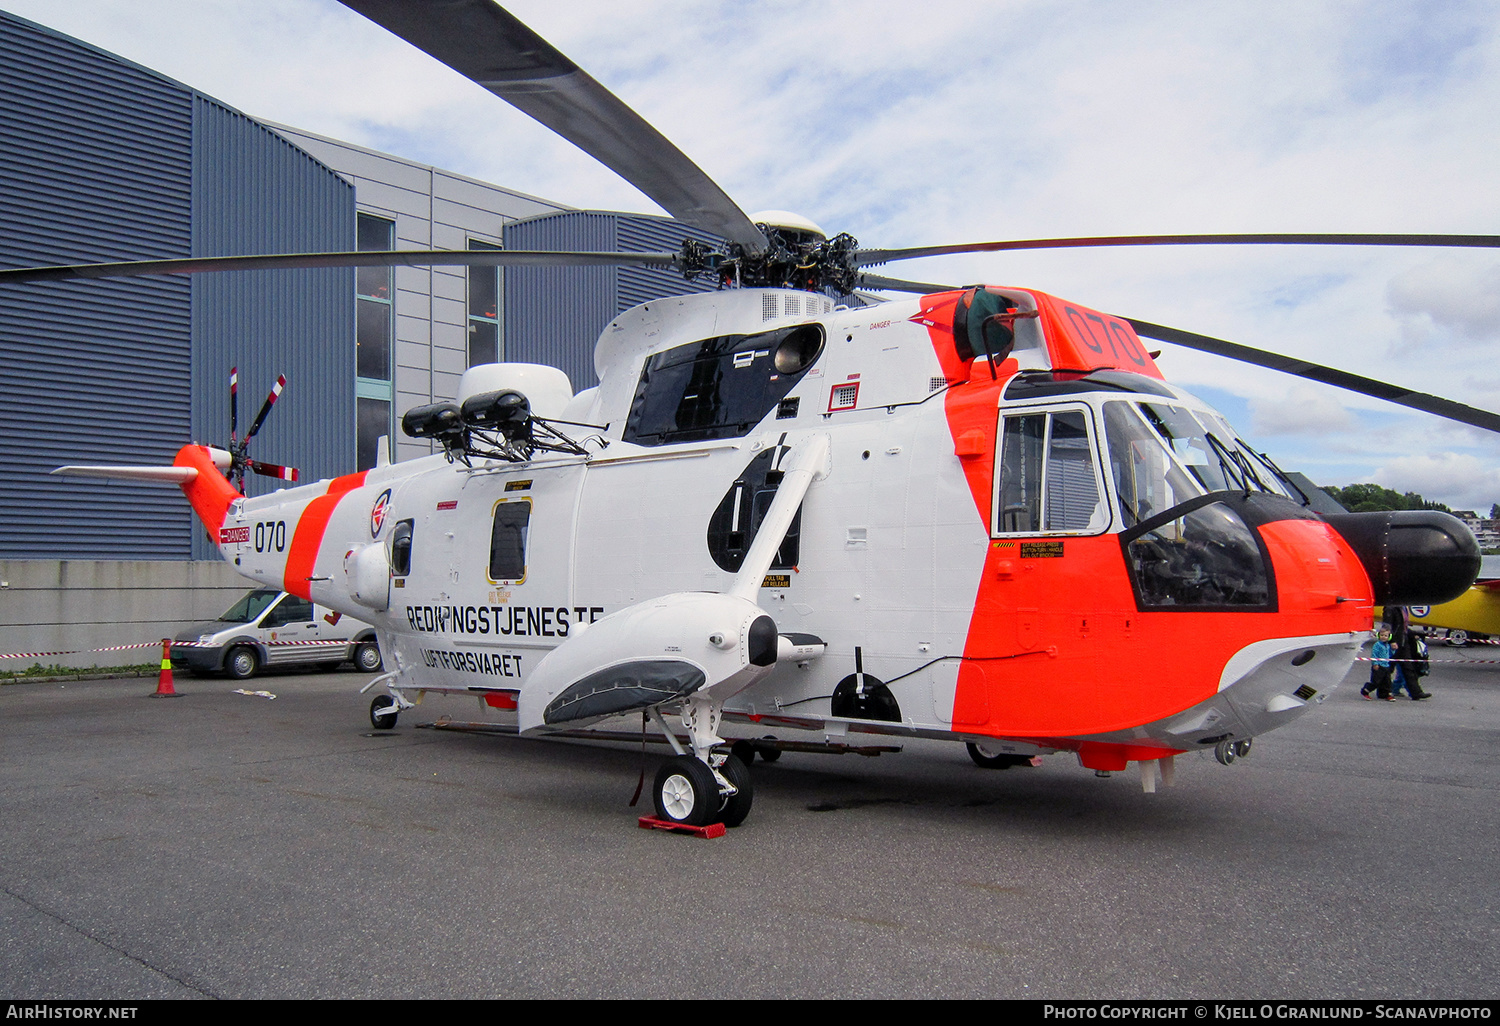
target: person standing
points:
(1380, 668)
(1410, 667)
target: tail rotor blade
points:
(266, 407)
(273, 470)
(234, 405)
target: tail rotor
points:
(238, 448)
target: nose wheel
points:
(1228, 751)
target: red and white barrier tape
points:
(1439, 662)
(79, 651)
(157, 644)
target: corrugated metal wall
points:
(254, 192)
(94, 165)
(554, 315)
(101, 159)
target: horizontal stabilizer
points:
(168, 475)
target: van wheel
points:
(241, 663)
(367, 657)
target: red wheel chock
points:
(652, 823)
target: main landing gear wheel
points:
(1226, 752)
(241, 663)
(383, 712)
(686, 792)
(1458, 639)
(737, 805)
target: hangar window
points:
(719, 387)
(484, 309)
(508, 540)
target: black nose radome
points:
(1414, 557)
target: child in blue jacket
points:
(1380, 668)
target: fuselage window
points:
(401, 548)
(1047, 480)
(736, 521)
(508, 540)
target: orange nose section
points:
(210, 493)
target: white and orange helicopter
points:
(978, 515)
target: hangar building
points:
(102, 159)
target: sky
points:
(961, 122)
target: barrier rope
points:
(154, 644)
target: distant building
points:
(107, 160)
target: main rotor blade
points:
(489, 45)
(876, 281)
(363, 258)
(866, 257)
(1327, 375)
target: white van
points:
(274, 628)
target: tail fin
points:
(208, 490)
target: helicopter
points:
(979, 515)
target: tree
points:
(1370, 498)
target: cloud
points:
(1450, 296)
(1303, 410)
(1014, 119)
(1460, 480)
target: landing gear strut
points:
(702, 786)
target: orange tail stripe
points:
(308, 537)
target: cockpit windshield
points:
(1161, 452)
(1147, 479)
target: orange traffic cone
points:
(164, 687)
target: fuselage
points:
(1131, 583)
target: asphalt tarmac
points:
(224, 845)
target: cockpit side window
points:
(1046, 478)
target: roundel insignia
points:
(1419, 611)
(378, 512)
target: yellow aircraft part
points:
(1476, 611)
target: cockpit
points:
(1171, 477)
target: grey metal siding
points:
(254, 192)
(641, 234)
(101, 159)
(94, 165)
(554, 315)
